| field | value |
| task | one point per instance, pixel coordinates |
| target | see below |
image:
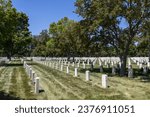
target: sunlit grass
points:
(58, 85)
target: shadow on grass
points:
(5, 96)
(14, 64)
(41, 91)
(32, 63)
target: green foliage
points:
(68, 38)
(38, 44)
(14, 33)
(103, 19)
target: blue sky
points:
(43, 12)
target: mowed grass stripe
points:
(80, 87)
(2, 70)
(13, 87)
(3, 77)
(16, 82)
(53, 88)
(26, 85)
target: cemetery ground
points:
(58, 85)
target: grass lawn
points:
(57, 85)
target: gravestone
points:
(101, 68)
(108, 65)
(33, 77)
(76, 72)
(145, 70)
(113, 70)
(78, 64)
(61, 67)
(37, 85)
(148, 64)
(129, 61)
(83, 65)
(87, 75)
(91, 66)
(140, 66)
(88, 61)
(30, 72)
(130, 71)
(112, 63)
(104, 81)
(67, 70)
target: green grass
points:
(57, 85)
(14, 83)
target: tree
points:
(104, 19)
(38, 45)
(14, 32)
(51, 47)
(68, 38)
(146, 34)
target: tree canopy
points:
(14, 32)
(104, 19)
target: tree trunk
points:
(123, 60)
(149, 55)
(149, 49)
(9, 56)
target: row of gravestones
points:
(3, 61)
(143, 63)
(74, 64)
(60, 67)
(84, 64)
(89, 58)
(113, 62)
(32, 75)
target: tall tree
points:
(14, 32)
(68, 37)
(104, 20)
(39, 42)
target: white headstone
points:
(112, 63)
(108, 65)
(33, 77)
(130, 71)
(140, 66)
(101, 68)
(129, 61)
(145, 70)
(78, 64)
(72, 64)
(61, 67)
(87, 75)
(88, 61)
(67, 69)
(113, 70)
(30, 72)
(37, 85)
(83, 65)
(104, 81)
(148, 64)
(76, 72)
